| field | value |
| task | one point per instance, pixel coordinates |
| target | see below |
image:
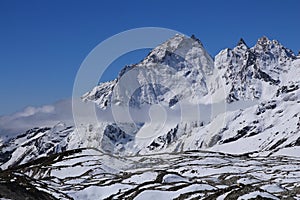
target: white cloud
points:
(61, 111)
(30, 117)
(29, 111)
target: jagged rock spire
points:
(242, 42)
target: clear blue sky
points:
(43, 43)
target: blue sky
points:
(43, 43)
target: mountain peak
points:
(180, 45)
(264, 45)
(264, 42)
(183, 57)
(242, 43)
(263, 39)
(181, 41)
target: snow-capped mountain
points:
(175, 70)
(253, 73)
(259, 73)
(253, 93)
(182, 69)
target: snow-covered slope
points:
(40, 142)
(266, 128)
(34, 143)
(91, 174)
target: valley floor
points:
(91, 174)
